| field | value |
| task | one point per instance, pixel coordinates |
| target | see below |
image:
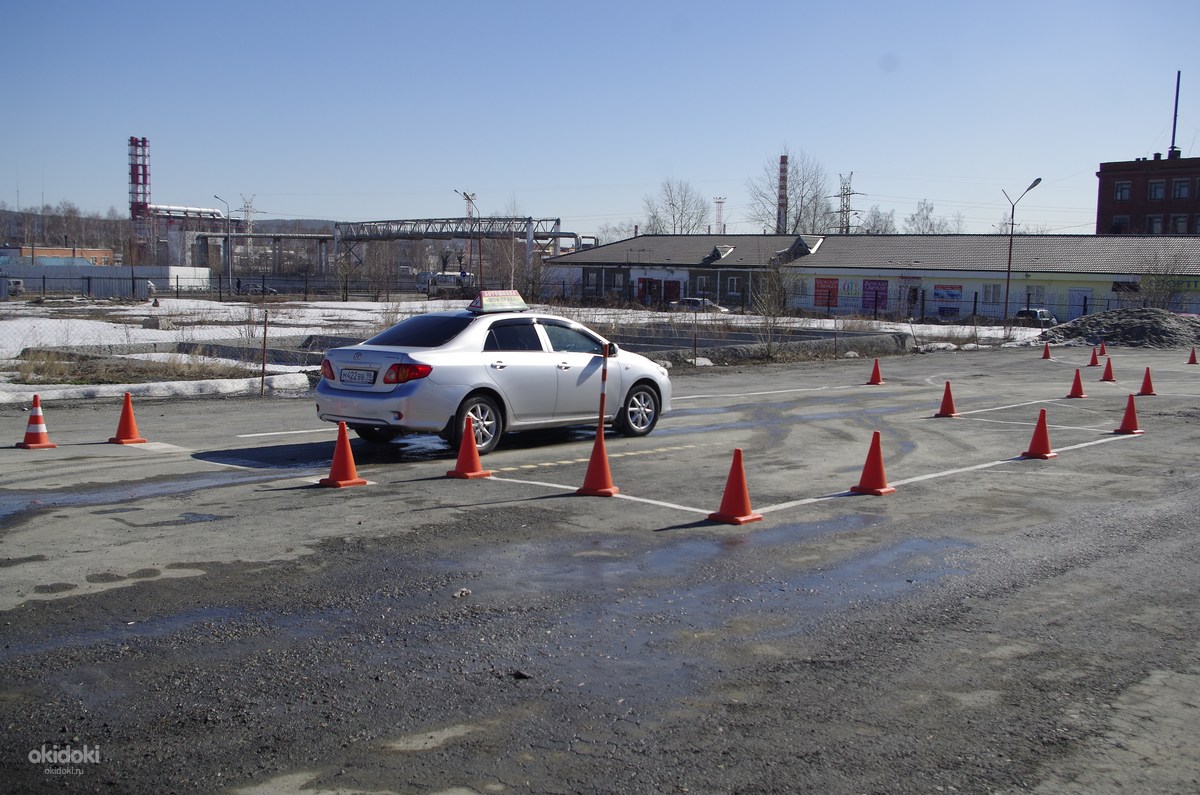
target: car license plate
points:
(358, 376)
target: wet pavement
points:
(974, 631)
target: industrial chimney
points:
(781, 208)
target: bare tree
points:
(810, 209)
(924, 222)
(1162, 283)
(678, 209)
(876, 222)
(621, 230)
(1001, 227)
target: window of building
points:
(1124, 189)
(1157, 190)
(1180, 188)
(1179, 224)
(734, 285)
(702, 285)
(800, 287)
(1154, 224)
(618, 280)
(993, 293)
(1120, 225)
(1035, 295)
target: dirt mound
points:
(1151, 328)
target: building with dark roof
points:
(947, 276)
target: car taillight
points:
(327, 371)
(403, 373)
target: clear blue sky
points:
(380, 110)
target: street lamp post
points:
(228, 250)
(1012, 223)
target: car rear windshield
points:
(422, 331)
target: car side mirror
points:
(612, 349)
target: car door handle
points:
(498, 365)
(564, 365)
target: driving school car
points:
(507, 368)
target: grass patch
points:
(58, 367)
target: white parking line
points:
(1112, 437)
(330, 429)
(944, 473)
(618, 495)
(675, 398)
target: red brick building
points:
(1149, 196)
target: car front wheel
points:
(485, 417)
(639, 412)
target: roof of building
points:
(1037, 253)
(718, 251)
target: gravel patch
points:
(1151, 328)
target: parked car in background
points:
(1039, 318)
(451, 284)
(695, 305)
(506, 368)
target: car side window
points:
(567, 339)
(512, 335)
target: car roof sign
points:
(489, 301)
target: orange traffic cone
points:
(1039, 446)
(1103, 350)
(1192, 358)
(36, 437)
(468, 465)
(342, 473)
(1095, 362)
(735, 503)
(1046, 351)
(1077, 387)
(127, 430)
(1129, 423)
(1108, 373)
(873, 479)
(876, 376)
(598, 480)
(1147, 387)
(947, 409)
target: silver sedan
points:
(507, 370)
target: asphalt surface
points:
(195, 615)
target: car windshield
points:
(423, 331)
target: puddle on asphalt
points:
(156, 627)
(643, 605)
(192, 518)
(18, 503)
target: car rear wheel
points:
(378, 434)
(639, 412)
(485, 417)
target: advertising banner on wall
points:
(875, 294)
(949, 293)
(950, 298)
(825, 292)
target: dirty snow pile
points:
(1151, 328)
